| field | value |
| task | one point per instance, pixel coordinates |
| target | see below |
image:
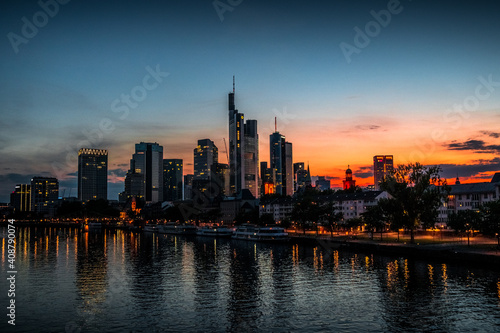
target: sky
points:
(346, 81)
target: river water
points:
(117, 281)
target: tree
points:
(353, 222)
(465, 221)
(329, 217)
(374, 219)
(305, 212)
(491, 218)
(416, 195)
(266, 219)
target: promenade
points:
(432, 245)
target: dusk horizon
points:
(345, 82)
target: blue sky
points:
(287, 60)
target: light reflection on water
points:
(118, 281)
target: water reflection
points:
(121, 281)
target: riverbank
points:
(482, 250)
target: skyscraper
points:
(281, 161)
(172, 179)
(243, 150)
(382, 166)
(145, 177)
(20, 199)
(44, 194)
(236, 146)
(206, 156)
(267, 178)
(92, 174)
(251, 157)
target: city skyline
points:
(425, 88)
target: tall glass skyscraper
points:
(382, 166)
(92, 174)
(206, 157)
(281, 161)
(145, 177)
(243, 151)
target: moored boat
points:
(215, 231)
(150, 228)
(177, 228)
(263, 234)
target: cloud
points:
(480, 169)
(367, 127)
(363, 172)
(117, 172)
(495, 135)
(478, 146)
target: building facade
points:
(20, 199)
(243, 150)
(251, 157)
(172, 179)
(44, 195)
(92, 174)
(145, 177)
(382, 166)
(281, 161)
(206, 157)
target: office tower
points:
(188, 186)
(281, 161)
(243, 150)
(348, 183)
(172, 179)
(251, 157)
(92, 174)
(382, 166)
(267, 179)
(300, 176)
(206, 155)
(221, 181)
(288, 171)
(145, 177)
(20, 199)
(44, 194)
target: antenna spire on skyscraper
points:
(233, 84)
(275, 125)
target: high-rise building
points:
(251, 157)
(243, 150)
(20, 199)
(206, 155)
(382, 166)
(281, 161)
(145, 177)
(222, 178)
(92, 174)
(267, 179)
(44, 194)
(188, 186)
(172, 179)
(300, 176)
